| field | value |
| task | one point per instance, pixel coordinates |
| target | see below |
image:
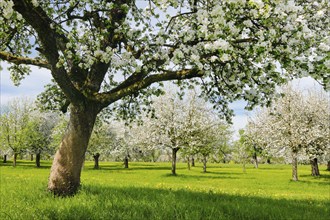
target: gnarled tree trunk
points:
(65, 173)
(96, 160)
(315, 167)
(174, 151)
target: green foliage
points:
(116, 193)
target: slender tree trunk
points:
(31, 157)
(192, 161)
(96, 161)
(255, 160)
(295, 166)
(5, 158)
(204, 164)
(188, 162)
(328, 166)
(65, 173)
(38, 157)
(15, 159)
(174, 150)
(126, 162)
(315, 167)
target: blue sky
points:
(33, 84)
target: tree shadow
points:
(25, 164)
(150, 203)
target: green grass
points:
(148, 191)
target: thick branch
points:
(23, 60)
(110, 97)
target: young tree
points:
(127, 45)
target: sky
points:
(34, 83)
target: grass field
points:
(148, 191)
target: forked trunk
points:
(96, 160)
(65, 173)
(174, 150)
(315, 167)
(38, 156)
(294, 166)
(5, 158)
(15, 159)
(204, 164)
(126, 162)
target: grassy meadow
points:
(148, 191)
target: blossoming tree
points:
(103, 53)
(296, 124)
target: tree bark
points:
(174, 150)
(255, 160)
(188, 162)
(315, 167)
(126, 162)
(5, 158)
(65, 173)
(268, 160)
(204, 164)
(328, 166)
(15, 159)
(96, 161)
(192, 161)
(295, 166)
(38, 157)
(31, 157)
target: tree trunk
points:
(126, 162)
(38, 157)
(96, 161)
(21, 156)
(268, 160)
(255, 160)
(295, 166)
(192, 161)
(174, 150)
(328, 166)
(65, 173)
(188, 162)
(5, 158)
(15, 159)
(204, 164)
(31, 157)
(315, 167)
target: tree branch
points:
(24, 60)
(110, 97)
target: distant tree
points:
(295, 124)
(125, 46)
(241, 149)
(102, 141)
(16, 126)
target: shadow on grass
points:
(202, 176)
(145, 203)
(27, 164)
